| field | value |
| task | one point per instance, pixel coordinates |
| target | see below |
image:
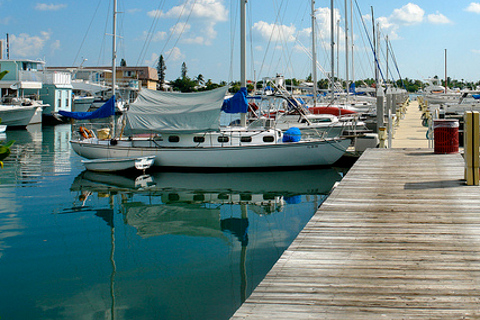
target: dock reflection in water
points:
(80, 245)
(240, 223)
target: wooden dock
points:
(399, 238)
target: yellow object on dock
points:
(471, 138)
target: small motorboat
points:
(118, 164)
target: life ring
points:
(86, 134)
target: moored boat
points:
(118, 164)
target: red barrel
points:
(445, 135)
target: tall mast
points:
(314, 55)
(375, 53)
(114, 64)
(332, 45)
(243, 53)
(114, 47)
(446, 71)
(353, 45)
(346, 48)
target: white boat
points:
(17, 115)
(183, 130)
(118, 164)
(195, 140)
(3, 128)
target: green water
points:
(79, 245)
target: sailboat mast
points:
(114, 46)
(346, 48)
(243, 53)
(114, 62)
(332, 45)
(314, 55)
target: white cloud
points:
(25, 45)
(180, 28)
(473, 7)
(175, 54)
(155, 13)
(158, 36)
(324, 22)
(153, 60)
(408, 14)
(134, 10)
(199, 9)
(438, 18)
(274, 32)
(55, 46)
(203, 16)
(49, 7)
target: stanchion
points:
(471, 145)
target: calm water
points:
(80, 245)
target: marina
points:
(249, 161)
(396, 239)
(76, 243)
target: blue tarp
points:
(476, 96)
(293, 134)
(107, 110)
(236, 104)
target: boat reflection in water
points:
(241, 221)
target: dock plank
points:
(399, 238)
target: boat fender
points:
(113, 142)
(86, 134)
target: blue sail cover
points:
(107, 110)
(236, 104)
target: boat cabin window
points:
(173, 139)
(222, 139)
(245, 139)
(268, 139)
(198, 139)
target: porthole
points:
(245, 139)
(268, 139)
(173, 139)
(222, 139)
(198, 139)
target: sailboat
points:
(182, 130)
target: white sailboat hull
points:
(297, 154)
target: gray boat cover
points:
(174, 112)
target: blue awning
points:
(107, 110)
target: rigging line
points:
(102, 47)
(269, 41)
(150, 32)
(396, 65)
(86, 33)
(369, 40)
(283, 40)
(183, 28)
(233, 23)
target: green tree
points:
(184, 70)
(161, 67)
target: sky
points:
(204, 34)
